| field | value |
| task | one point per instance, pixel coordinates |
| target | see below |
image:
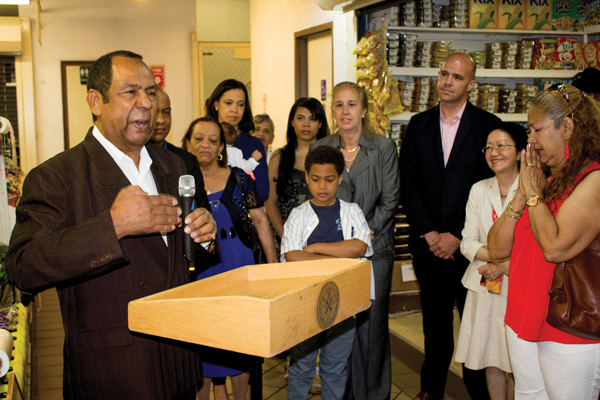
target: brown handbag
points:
(575, 294)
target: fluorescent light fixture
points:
(15, 2)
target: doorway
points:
(314, 64)
(77, 117)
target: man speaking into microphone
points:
(102, 223)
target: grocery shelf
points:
(490, 31)
(504, 117)
(492, 73)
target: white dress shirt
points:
(141, 177)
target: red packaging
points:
(590, 54)
(564, 57)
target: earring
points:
(567, 151)
(220, 157)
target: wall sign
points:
(159, 75)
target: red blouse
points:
(530, 280)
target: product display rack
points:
(473, 40)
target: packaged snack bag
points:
(563, 15)
(539, 15)
(590, 54)
(483, 14)
(512, 14)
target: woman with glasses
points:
(482, 338)
(553, 218)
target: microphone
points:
(187, 191)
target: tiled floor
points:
(406, 338)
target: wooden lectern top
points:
(260, 310)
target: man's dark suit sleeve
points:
(46, 249)
(419, 220)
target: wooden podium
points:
(261, 310)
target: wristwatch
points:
(533, 201)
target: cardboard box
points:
(483, 14)
(580, 13)
(260, 310)
(563, 15)
(513, 14)
(539, 15)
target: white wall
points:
(223, 20)
(84, 30)
(272, 27)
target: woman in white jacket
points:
(482, 338)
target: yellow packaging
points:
(539, 15)
(512, 15)
(483, 14)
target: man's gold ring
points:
(531, 165)
(214, 235)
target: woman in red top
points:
(548, 222)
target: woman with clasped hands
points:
(554, 216)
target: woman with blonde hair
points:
(553, 218)
(372, 180)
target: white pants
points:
(550, 370)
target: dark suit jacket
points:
(64, 237)
(434, 196)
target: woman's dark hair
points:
(517, 133)
(246, 124)
(584, 142)
(188, 137)
(325, 155)
(588, 80)
(288, 152)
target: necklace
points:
(350, 160)
(503, 195)
(351, 151)
(218, 180)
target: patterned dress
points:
(296, 194)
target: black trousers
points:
(441, 288)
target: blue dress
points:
(218, 363)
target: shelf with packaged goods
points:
(592, 30)
(492, 31)
(492, 73)
(406, 116)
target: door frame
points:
(198, 71)
(65, 100)
(301, 55)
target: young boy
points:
(324, 227)
(234, 155)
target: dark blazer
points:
(434, 197)
(192, 168)
(374, 184)
(64, 237)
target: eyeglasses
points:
(500, 147)
(560, 88)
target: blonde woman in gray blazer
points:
(371, 180)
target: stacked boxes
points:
(458, 14)
(494, 52)
(592, 12)
(488, 97)
(474, 94)
(509, 56)
(580, 12)
(512, 15)
(525, 54)
(423, 54)
(483, 14)
(436, 12)
(417, 13)
(539, 15)
(480, 58)
(507, 101)
(439, 52)
(421, 94)
(525, 95)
